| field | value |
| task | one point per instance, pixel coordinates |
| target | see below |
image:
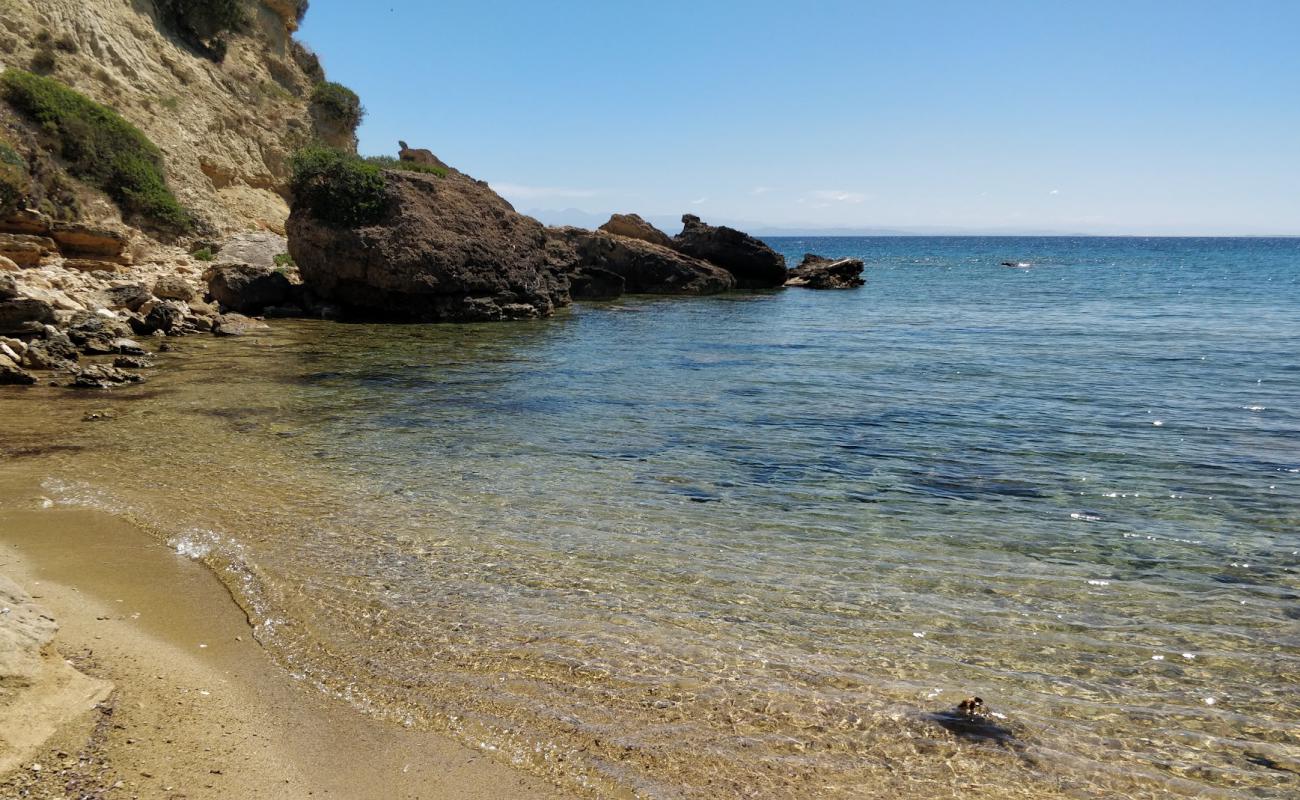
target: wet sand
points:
(198, 710)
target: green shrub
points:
(338, 188)
(14, 180)
(338, 104)
(203, 254)
(44, 61)
(388, 162)
(202, 24)
(99, 147)
(284, 260)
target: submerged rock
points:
(755, 265)
(445, 249)
(102, 376)
(644, 267)
(816, 272)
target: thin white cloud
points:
(699, 201)
(1055, 191)
(536, 192)
(760, 190)
(835, 196)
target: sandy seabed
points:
(175, 699)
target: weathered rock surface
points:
(22, 315)
(173, 287)
(447, 249)
(102, 376)
(99, 243)
(26, 250)
(645, 268)
(816, 272)
(12, 374)
(236, 325)
(27, 221)
(418, 156)
(594, 283)
(7, 265)
(755, 265)
(254, 249)
(130, 296)
(8, 287)
(246, 288)
(633, 227)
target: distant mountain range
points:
(672, 224)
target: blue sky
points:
(1108, 117)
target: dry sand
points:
(197, 709)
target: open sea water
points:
(757, 545)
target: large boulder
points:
(247, 288)
(755, 265)
(445, 248)
(257, 249)
(76, 240)
(13, 375)
(26, 250)
(817, 272)
(633, 227)
(23, 315)
(645, 268)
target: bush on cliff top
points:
(338, 188)
(388, 162)
(338, 104)
(100, 147)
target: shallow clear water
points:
(741, 546)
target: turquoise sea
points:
(749, 545)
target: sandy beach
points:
(179, 700)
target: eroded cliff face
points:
(227, 130)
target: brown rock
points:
(645, 268)
(8, 287)
(447, 249)
(420, 156)
(27, 221)
(25, 250)
(13, 375)
(633, 227)
(21, 315)
(102, 376)
(86, 241)
(173, 287)
(246, 288)
(236, 325)
(754, 264)
(816, 272)
(7, 265)
(91, 265)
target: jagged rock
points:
(258, 249)
(166, 316)
(27, 221)
(246, 288)
(633, 227)
(132, 362)
(86, 327)
(419, 156)
(131, 296)
(13, 375)
(102, 376)
(51, 354)
(77, 240)
(7, 265)
(8, 287)
(645, 268)
(18, 315)
(594, 283)
(13, 354)
(173, 287)
(816, 272)
(754, 264)
(446, 249)
(26, 250)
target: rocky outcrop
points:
(24, 315)
(645, 268)
(95, 243)
(446, 249)
(633, 227)
(419, 156)
(247, 289)
(26, 250)
(258, 249)
(755, 265)
(816, 272)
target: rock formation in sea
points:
(817, 272)
(643, 266)
(442, 247)
(755, 265)
(633, 227)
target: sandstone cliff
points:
(226, 130)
